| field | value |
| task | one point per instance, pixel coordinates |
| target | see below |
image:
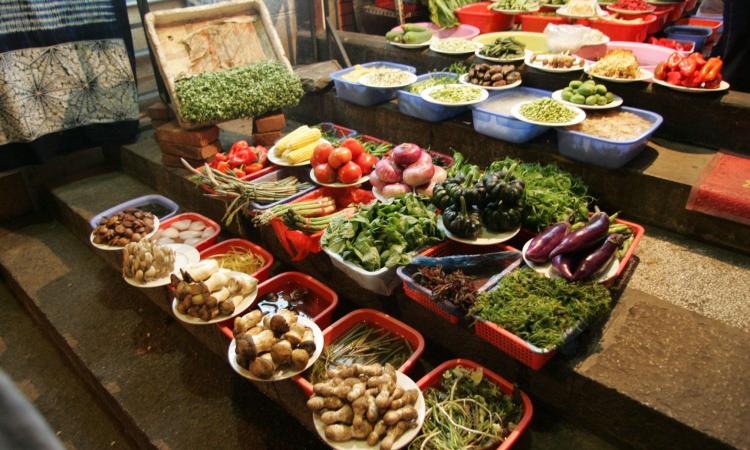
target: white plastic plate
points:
(282, 162)
(557, 95)
(484, 238)
(471, 47)
(463, 79)
(338, 185)
(645, 75)
(427, 95)
(184, 255)
(723, 86)
(550, 272)
(405, 383)
(544, 68)
(112, 248)
(366, 81)
(420, 45)
(499, 60)
(280, 374)
(580, 116)
(238, 309)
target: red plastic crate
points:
(486, 20)
(448, 248)
(224, 246)
(377, 319)
(537, 23)
(433, 378)
(195, 216)
(620, 31)
(327, 298)
(299, 244)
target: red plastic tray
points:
(299, 244)
(327, 298)
(715, 25)
(380, 320)
(249, 177)
(448, 248)
(224, 246)
(486, 20)
(368, 138)
(619, 31)
(537, 23)
(195, 216)
(433, 378)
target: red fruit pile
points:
(345, 164)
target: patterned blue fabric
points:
(66, 76)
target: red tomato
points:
(366, 162)
(324, 173)
(254, 167)
(349, 173)
(321, 153)
(339, 156)
(223, 167)
(239, 173)
(354, 146)
(239, 145)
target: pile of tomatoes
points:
(690, 71)
(345, 164)
(671, 43)
(241, 160)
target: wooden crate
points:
(242, 27)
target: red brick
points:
(187, 151)
(158, 111)
(171, 132)
(266, 124)
(266, 139)
(174, 161)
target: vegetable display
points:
(118, 230)
(442, 12)
(671, 43)
(557, 61)
(588, 93)
(190, 232)
(547, 110)
(456, 93)
(493, 75)
(541, 310)
(387, 77)
(270, 343)
(240, 259)
(466, 411)
(633, 5)
(145, 261)
(364, 403)
(363, 344)
(454, 45)
(345, 164)
(407, 168)
(238, 92)
(434, 80)
(298, 146)
(241, 160)
(384, 234)
(515, 5)
(617, 63)
(692, 71)
(454, 288)
(504, 48)
(409, 34)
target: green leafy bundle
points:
(551, 194)
(246, 91)
(538, 309)
(384, 234)
(441, 11)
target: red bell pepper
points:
(693, 80)
(698, 58)
(237, 146)
(674, 78)
(220, 157)
(223, 167)
(241, 157)
(687, 67)
(254, 167)
(674, 60)
(712, 68)
(661, 71)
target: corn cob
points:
(301, 137)
(301, 154)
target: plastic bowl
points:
(619, 31)
(363, 95)
(648, 55)
(605, 152)
(715, 25)
(224, 246)
(485, 20)
(697, 34)
(504, 126)
(205, 243)
(536, 42)
(376, 319)
(661, 20)
(415, 106)
(137, 202)
(536, 23)
(433, 378)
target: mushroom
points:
(263, 366)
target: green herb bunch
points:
(245, 91)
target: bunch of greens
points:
(442, 11)
(238, 92)
(538, 309)
(376, 148)
(551, 195)
(433, 80)
(384, 234)
(467, 411)
(461, 167)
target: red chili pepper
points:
(239, 145)
(254, 167)
(687, 67)
(674, 60)
(674, 78)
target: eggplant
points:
(564, 265)
(595, 263)
(584, 238)
(546, 241)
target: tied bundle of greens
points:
(245, 91)
(467, 411)
(541, 310)
(551, 195)
(442, 11)
(384, 234)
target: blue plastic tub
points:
(303, 175)
(605, 152)
(693, 33)
(415, 106)
(138, 202)
(363, 95)
(504, 126)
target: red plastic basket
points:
(325, 297)
(224, 246)
(448, 248)
(486, 20)
(195, 216)
(620, 31)
(512, 345)
(661, 20)
(537, 23)
(433, 378)
(299, 244)
(377, 319)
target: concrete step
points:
(627, 384)
(49, 382)
(165, 389)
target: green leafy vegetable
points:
(384, 234)
(442, 11)
(541, 310)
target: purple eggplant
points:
(564, 265)
(597, 262)
(546, 241)
(584, 238)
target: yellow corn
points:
(298, 138)
(301, 154)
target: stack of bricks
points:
(195, 146)
(267, 129)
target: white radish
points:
(197, 226)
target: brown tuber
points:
(394, 433)
(392, 417)
(338, 432)
(345, 415)
(316, 403)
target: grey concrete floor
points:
(700, 277)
